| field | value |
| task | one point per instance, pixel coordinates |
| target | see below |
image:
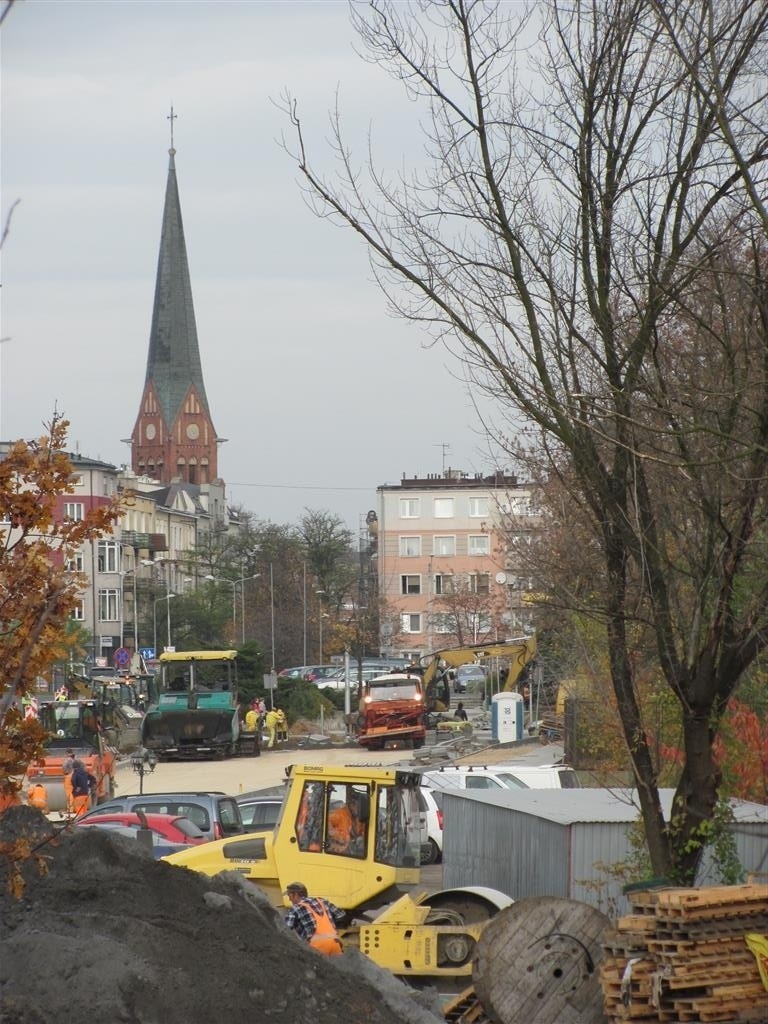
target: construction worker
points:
(314, 919)
(67, 768)
(346, 829)
(251, 721)
(81, 789)
(282, 725)
(37, 796)
(271, 721)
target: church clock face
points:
(149, 431)
(193, 431)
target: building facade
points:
(443, 553)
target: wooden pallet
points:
(692, 964)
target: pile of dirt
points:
(108, 934)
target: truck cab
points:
(391, 711)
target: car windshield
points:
(401, 689)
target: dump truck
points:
(373, 867)
(73, 725)
(196, 714)
(391, 712)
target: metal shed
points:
(558, 842)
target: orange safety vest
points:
(326, 938)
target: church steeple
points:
(174, 437)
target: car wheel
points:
(430, 853)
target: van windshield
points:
(401, 689)
(511, 781)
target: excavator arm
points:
(520, 652)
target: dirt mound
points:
(110, 935)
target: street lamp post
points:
(165, 597)
(233, 584)
(323, 615)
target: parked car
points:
(431, 823)
(468, 675)
(171, 827)
(215, 814)
(159, 844)
(546, 776)
(317, 672)
(472, 777)
(259, 811)
(509, 776)
(297, 672)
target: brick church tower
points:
(174, 438)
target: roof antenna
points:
(446, 448)
(172, 117)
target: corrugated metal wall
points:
(527, 855)
(504, 849)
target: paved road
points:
(241, 774)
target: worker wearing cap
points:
(314, 919)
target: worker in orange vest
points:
(81, 789)
(314, 919)
(37, 796)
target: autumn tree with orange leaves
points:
(37, 592)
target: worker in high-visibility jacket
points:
(314, 919)
(37, 796)
(271, 721)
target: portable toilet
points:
(507, 717)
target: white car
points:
(501, 776)
(431, 822)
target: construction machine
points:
(518, 653)
(391, 711)
(351, 834)
(196, 714)
(73, 725)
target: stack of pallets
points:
(681, 956)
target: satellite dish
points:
(501, 577)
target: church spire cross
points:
(171, 117)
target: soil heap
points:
(109, 935)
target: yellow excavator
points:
(439, 665)
(360, 868)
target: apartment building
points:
(444, 572)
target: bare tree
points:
(591, 208)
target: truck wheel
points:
(417, 744)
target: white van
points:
(501, 776)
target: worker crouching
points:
(314, 920)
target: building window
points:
(78, 612)
(74, 510)
(410, 584)
(444, 583)
(478, 508)
(75, 564)
(409, 508)
(410, 547)
(109, 605)
(443, 508)
(108, 557)
(480, 583)
(479, 545)
(444, 546)
(443, 623)
(77, 480)
(410, 623)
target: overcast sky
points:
(322, 394)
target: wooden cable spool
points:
(537, 963)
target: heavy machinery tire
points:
(430, 853)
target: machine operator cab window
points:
(337, 818)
